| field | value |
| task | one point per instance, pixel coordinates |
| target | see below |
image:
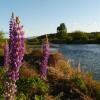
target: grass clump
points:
(79, 82)
(32, 86)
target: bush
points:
(32, 86)
(40, 84)
(79, 36)
(79, 81)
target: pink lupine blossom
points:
(16, 53)
(44, 59)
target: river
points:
(87, 54)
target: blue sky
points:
(43, 16)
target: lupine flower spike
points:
(16, 53)
(44, 58)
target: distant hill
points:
(77, 37)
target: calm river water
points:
(88, 55)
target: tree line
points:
(62, 36)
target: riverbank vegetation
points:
(64, 37)
(63, 81)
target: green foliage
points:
(62, 28)
(39, 97)
(62, 31)
(37, 82)
(33, 85)
(97, 36)
(78, 35)
(24, 85)
(21, 96)
(89, 74)
(63, 37)
(2, 98)
(69, 38)
(78, 80)
(2, 71)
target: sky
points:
(43, 16)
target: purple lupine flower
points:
(44, 59)
(6, 55)
(16, 50)
(16, 53)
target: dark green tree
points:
(62, 28)
(62, 31)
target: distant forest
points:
(76, 37)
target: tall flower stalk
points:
(16, 53)
(44, 58)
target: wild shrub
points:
(79, 81)
(32, 86)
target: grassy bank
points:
(63, 82)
